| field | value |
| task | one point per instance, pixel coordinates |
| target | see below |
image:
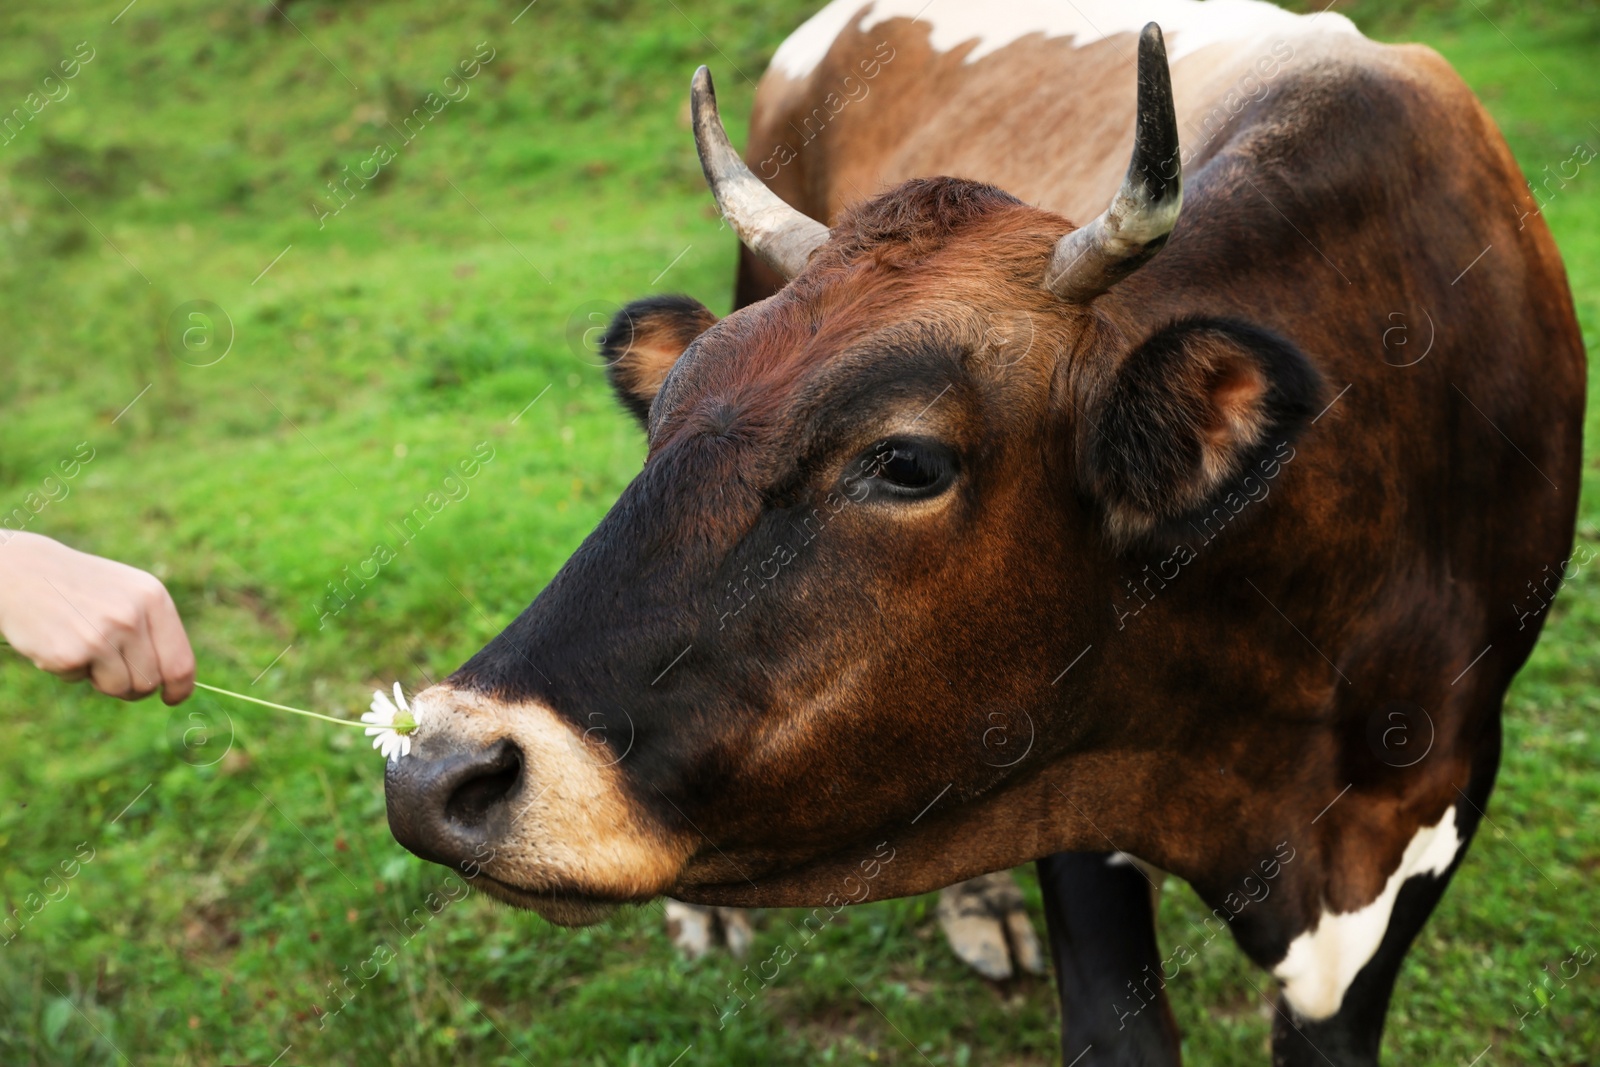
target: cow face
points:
(868, 503)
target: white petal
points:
(399, 698)
(377, 741)
(383, 707)
(405, 745)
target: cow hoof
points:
(983, 919)
(689, 928)
(988, 928)
(695, 930)
(736, 932)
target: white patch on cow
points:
(1187, 25)
(1324, 960)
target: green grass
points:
(375, 354)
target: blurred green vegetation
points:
(370, 352)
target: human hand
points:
(81, 616)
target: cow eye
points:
(909, 469)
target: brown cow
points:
(985, 537)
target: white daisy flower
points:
(393, 723)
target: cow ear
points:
(642, 343)
(1185, 419)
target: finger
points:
(139, 653)
(70, 674)
(172, 650)
(107, 670)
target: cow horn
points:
(1091, 259)
(780, 236)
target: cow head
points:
(878, 510)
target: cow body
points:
(1337, 191)
(1286, 691)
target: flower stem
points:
(280, 707)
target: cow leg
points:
(1101, 919)
(1351, 1036)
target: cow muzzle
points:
(510, 796)
(452, 808)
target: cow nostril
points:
(489, 783)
